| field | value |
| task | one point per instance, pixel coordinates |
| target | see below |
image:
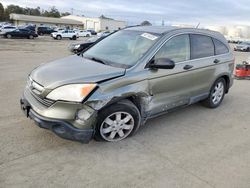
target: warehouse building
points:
(98, 24)
(20, 19)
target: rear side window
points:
(9, 28)
(220, 48)
(201, 46)
(177, 49)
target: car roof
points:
(166, 29)
(152, 29)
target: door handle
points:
(187, 67)
(216, 61)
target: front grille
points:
(37, 99)
(35, 91)
(45, 102)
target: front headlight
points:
(72, 92)
(77, 46)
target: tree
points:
(2, 17)
(146, 23)
(65, 14)
(12, 9)
(32, 11)
(53, 12)
(104, 17)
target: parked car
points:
(93, 32)
(6, 29)
(103, 34)
(70, 34)
(29, 27)
(79, 47)
(244, 47)
(133, 75)
(21, 33)
(45, 30)
(83, 33)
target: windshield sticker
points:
(149, 36)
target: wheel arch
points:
(226, 77)
(137, 100)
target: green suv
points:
(137, 73)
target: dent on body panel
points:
(103, 97)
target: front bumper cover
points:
(61, 128)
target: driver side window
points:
(176, 49)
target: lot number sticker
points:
(149, 36)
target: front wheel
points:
(9, 36)
(117, 122)
(216, 95)
(31, 37)
(58, 37)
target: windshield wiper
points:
(98, 60)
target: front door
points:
(171, 88)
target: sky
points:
(192, 12)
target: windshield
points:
(123, 48)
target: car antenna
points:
(198, 25)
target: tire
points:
(216, 95)
(59, 37)
(31, 37)
(87, 35)
(248, 50)
(8, 36)
(74, 38)
(110, 125)
(41, 34)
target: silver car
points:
(244, 47)
(110, 90)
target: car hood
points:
(73, 69)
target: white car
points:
(70, 34)
(6, 29)
(83, 33)
(103, 34)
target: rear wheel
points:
(87, 35)
(59, 37)
(74, 38)
(117, 122)
(31, 37)
(9, 36)
(216, 95)
(41, 34)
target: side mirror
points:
(161, 63)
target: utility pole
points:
(72, 11)
(162, 23)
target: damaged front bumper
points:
(63, 128)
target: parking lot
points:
(191, 147)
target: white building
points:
(20, 19)
(233, 31)
(98, 24)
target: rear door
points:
(24, 33)
(65, 34)
(17, 33)
(204, 64)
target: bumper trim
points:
(60, 128)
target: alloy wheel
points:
(117, 126)
(218, 92)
